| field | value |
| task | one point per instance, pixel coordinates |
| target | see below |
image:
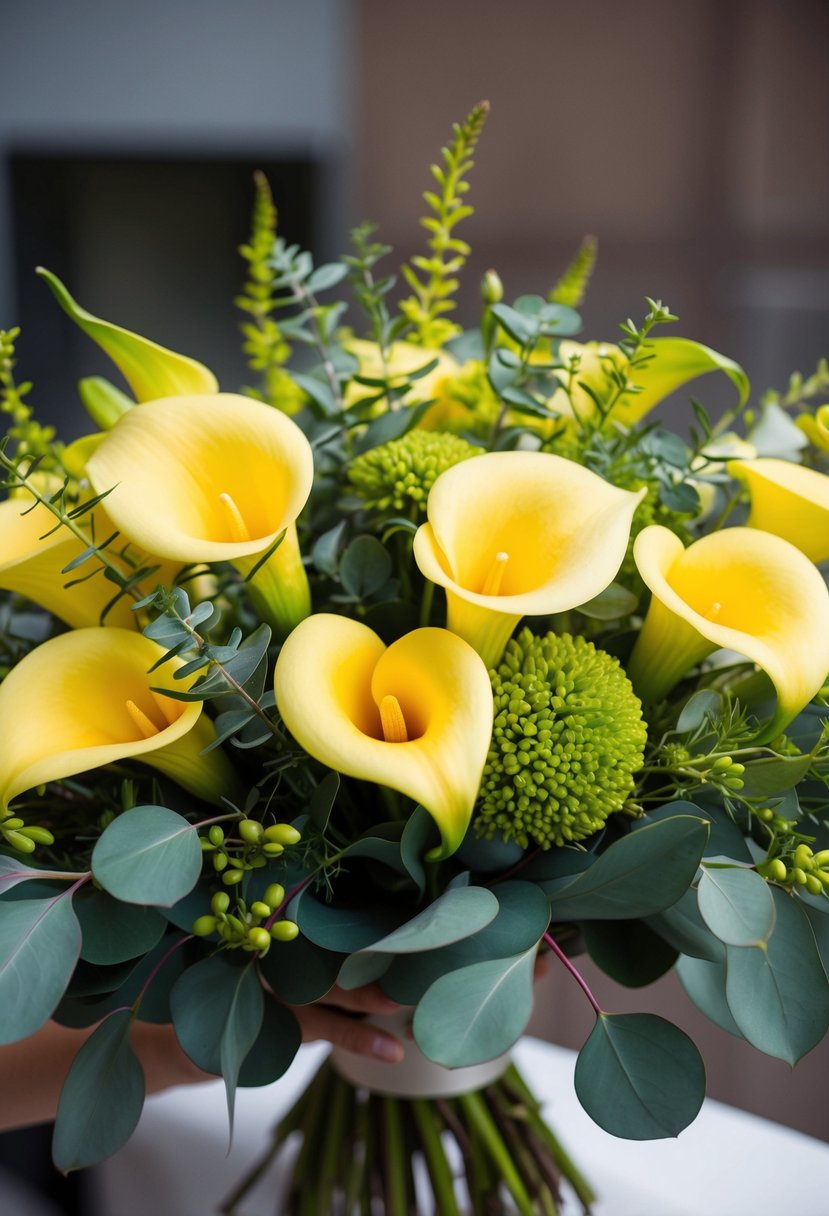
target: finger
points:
(369, 999)
(320, 1022)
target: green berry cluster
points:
(235, 856)
(567, 738)
(399, 474)
(22, 838)
(803, 867)
(248, 928)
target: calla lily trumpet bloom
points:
(213, 478)
(416, 716)
(788, 500)
(149, 369)
(85, 699)
(31, 562)
(740, 589)
(513, 534)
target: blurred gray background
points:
(691, 137)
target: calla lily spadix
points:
(213, 478)
(740, 589)
(149, 369)
(84, 699)
(513, 534)
(788, 500)
(31, 563)
(416, 716)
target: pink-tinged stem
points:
(188, 937)
(562, 957)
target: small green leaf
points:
(325, 553)
(326, 276)
(243, 1023)
(476, 1013)
(419, 835)
(148, 855)
(639, 1077)
(779, 994)
(775, 775)
(628, 951)
(365, 567)
(641, 874)
(611, 604)
(322, 800)
(40, 940)
(704, 704)
(704, 983)
(451, 917)
(682, 926)
(275, 1047)
(300, 972)
(344, 928)
(114, 932)
(102, 1097)
(736, 905)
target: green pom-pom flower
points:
(567, 738)
(400, 473)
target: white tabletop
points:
(727, 1163)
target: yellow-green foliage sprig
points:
(571, 288)
(397, 476)
(433, 279)
(30, 438)
(18, 835)
(568, 737)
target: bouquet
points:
(432, 651)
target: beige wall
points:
(692, 137)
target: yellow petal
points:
(81, 684)
(103, 401)
(332, 676)
(816, 427)
(788, 500)
(740, 589)
(674, 362)
(31, 563)
(214, 478)
(563, 529)
(149, 369)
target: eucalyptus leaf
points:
(778, 994)
(775, 775)
(148, 855)
(364, 967)
(683, 928)
(40, 941)
(639, 1077)
(477, 1012)
(704, 704)
(325, 553)
(102, 1097)
(609, 605)
(452, 916)
(113, 931)
(344, 928)
(419, 835)
(300, 972)
(393, 424)
(276, 1045)
(638, 875)
(628, 951)
(736, 905)
(12, 872)
(364, 567)
(704, 983)
(322, 800)
(243, 1023)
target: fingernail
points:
(384, 1048)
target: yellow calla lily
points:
(740, 589)
(213, 478)
(403, 359)
(788, 500)
(83, 699)
(149, 369)
(416, 716)
(816, 427)
(31, 563)
(673, 363)
(513, 534)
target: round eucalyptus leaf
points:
(456, 914)
(40, 940)
(113, 931)
(148, 855)
(639, 1077)
(273, 1052)
(102, 1098)
(300, 972)
(736, 905)
(704, 982)
(628, 951)
(476, 1013)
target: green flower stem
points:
(514, 1081)
(481, 1122)
(336, 1131)
(426, 603)
(395, 1159)
(355, 1180)
(306, 1164)
(526, 1164)
(539, 1163)
(439, 1170)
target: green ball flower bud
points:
(776, 870)
(237, 926)
(231, 877)
(822, 858)
(251, 831)
(220, 903)
(220, 862)
(284, 931)
(260, 909)
(813, 884)
(399, 474)
(282, 833)
(204, 926)
(274, 895)
(273, 849)
(216, 835)
(12, 823)
(38, 835)
(260, 939)
(799, 876)
(20, 842)
(766, 814)
(568, 736)
(803, 857)
(492, 289)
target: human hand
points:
(331, 1019)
